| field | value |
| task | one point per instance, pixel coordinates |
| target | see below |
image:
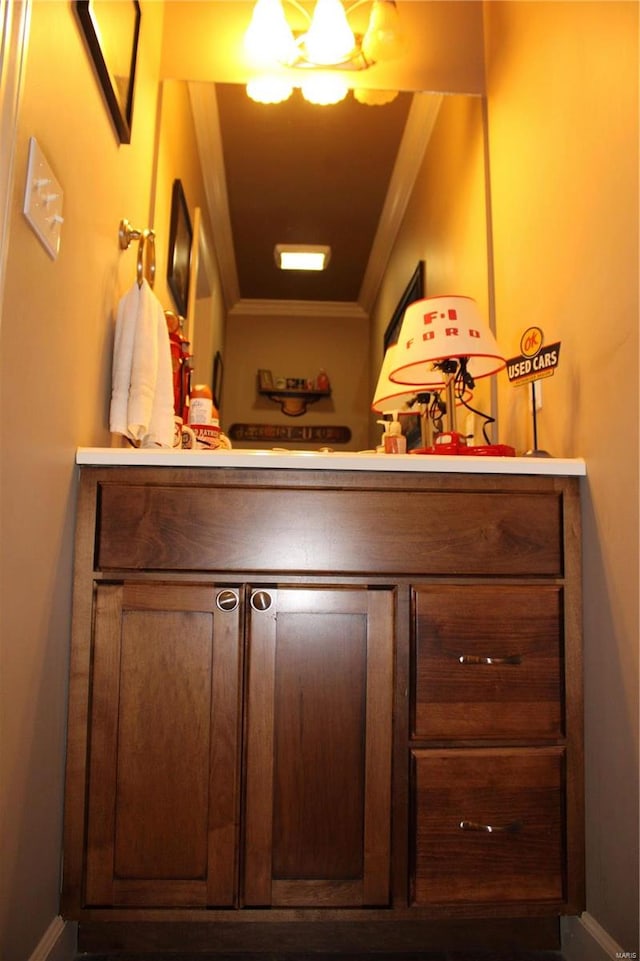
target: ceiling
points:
(297, 173)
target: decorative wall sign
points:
(535, 360)
(291, 434)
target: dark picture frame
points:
(180, 240)
(111, 32)
(216, 380)
(415, 290)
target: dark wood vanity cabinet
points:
(164, 819)
(350, 700)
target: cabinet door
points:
(318, 777)
(164, 747)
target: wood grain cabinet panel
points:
(164, 748)
(319, 726)
(488, 661)
(324, 531)
(488, 826)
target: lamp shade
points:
(389, 396)
(442, 328)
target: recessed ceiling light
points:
(302, 256)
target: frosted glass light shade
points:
(384, 39)
(269, 89)
(330, 39)
(302, 256)
(438, 328)
(269, 38)
(323, 89)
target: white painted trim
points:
(417, 133)
(204, 106)
(321, 309)
(583, 939)
(15, 19)
(58, 943)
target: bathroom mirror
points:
(341, 169)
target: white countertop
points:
(320, 460)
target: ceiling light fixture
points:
(302, 256)
(328, 43)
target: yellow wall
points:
(55, 355)
(445, 225)
(562, 83)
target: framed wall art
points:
(415, 290)
(216, 380)
(180, 240)
(111, 32)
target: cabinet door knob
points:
(480, 659)
(227, 601)
(261, 600)
(511, 828)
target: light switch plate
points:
(43, 198)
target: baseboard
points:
(583, 939)
(58, 943)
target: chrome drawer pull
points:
(512, 828)
(479, 659)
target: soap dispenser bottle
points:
(380, 449)
(394, 440)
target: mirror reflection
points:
(384, 186)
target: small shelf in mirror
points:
(293, 401)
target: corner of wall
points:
(583, 939)
(58, 943)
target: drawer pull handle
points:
(480, 659)
(511, 828)
(261, 601)
(227, 601)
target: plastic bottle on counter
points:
(201, 409)
(394, 440)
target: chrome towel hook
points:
(127, 233)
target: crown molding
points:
(316, 309)
(417, 133)
(204, 106)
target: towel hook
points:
(127, 233)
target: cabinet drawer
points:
(488, 826)
(314, 530)
(487, 661)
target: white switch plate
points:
(43, 198)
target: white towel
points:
(142, 381)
